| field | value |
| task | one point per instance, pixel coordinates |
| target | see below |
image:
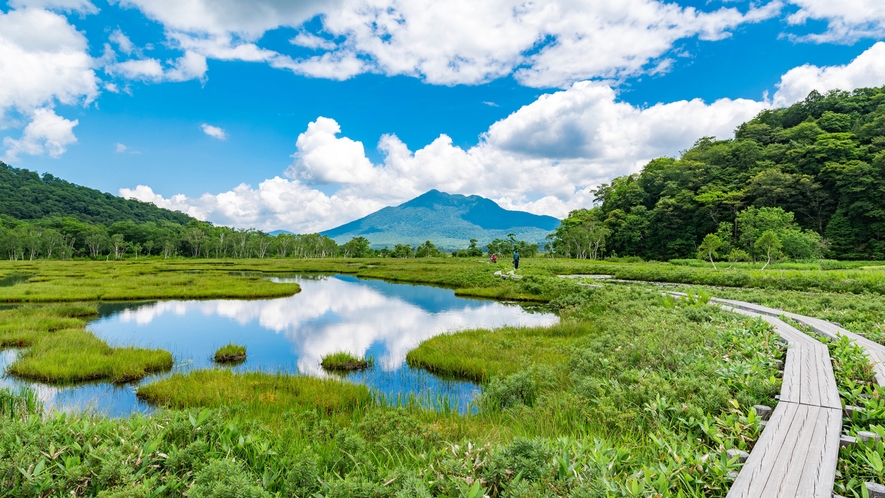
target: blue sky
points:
(277, 114)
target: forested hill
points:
(25, 195)
(822, 159)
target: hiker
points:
(516, 259)
(494, 258)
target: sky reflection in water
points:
(292, 334)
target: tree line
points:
(68, 238)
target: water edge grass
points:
(60, 350)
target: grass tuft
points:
(343, 361)
(230, 353)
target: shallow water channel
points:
(331, 313)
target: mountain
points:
(447, 220)
(280, 232)
(25, 195)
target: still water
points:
(331, 313)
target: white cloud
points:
(122, 41)
(120, 148)
(81, 6)
(867, 70)
(248, 19)
(47, 133)
(187, 67)
(547, 44)
(847, 20)
(544, 158)
(43, 59)
(309, 40)
(323, 158)
(214, 131)
(593, 138)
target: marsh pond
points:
(332, 313)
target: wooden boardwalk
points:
(796, 453)
(875, 351)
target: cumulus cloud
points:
(544, 44)
(867, 70)
(47, 133)
(43, 59)
(120, 148)
(214, 131)
(593, 138)
(544, 158)
(847, 20)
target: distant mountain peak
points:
(448, 220)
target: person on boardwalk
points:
(516, 259)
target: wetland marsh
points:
(624, 394)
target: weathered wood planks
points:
(796, 453)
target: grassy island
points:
(230, 353)
(343, 361)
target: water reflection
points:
(292, 334)
(15, 278)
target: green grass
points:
(230, 353)
(478, 355)
(75, 355)
(60, 350)
(55, 281)
(342, 361)
(261, 393)
(631, 395)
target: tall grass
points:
(263, 394)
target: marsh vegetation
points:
(230, 353)
(631, 394)
(342, 361)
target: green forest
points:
(25, 195)
(46, 217)
(810, 178)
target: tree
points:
(708, 247)
(96, 239)
(52, 238)
(402, 251)
(769, 244)
(119, 244)
(426, 250)
(357, 247)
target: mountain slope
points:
(25, 195)
(447, 220)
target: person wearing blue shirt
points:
(516, 259)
